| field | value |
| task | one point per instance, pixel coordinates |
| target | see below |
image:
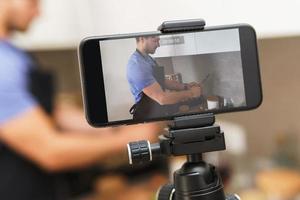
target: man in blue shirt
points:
(32, 150)
(147, 83)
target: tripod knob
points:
(139, 152)
(233, 197)
(166, 192)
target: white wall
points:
(224, 70)
(268, 16)
(200, 43)
(65, 22)
(115, 55)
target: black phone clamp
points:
(191, 136)
(181, 25)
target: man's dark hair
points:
(139, 38)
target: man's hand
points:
(196, 91)
(33, 135)
(193, 84)
(155, 92)
(149, 131)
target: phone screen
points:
(156, 76)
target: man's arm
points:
(155, 92)
(33, 135)
(174, 85)
(70, 117)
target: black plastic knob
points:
(139, 152)
(166, 192)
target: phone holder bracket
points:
(191, 136)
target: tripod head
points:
(190, 136)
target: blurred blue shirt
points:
(140, 74)
(15, 97)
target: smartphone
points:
(154, 76)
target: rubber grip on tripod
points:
(139, 152)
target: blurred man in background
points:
(32, 150)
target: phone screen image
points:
(157, 76)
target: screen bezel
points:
(93, 81)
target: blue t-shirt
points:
(15, 97)
(140, 74)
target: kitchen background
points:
(266, 164)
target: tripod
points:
(191, 136)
